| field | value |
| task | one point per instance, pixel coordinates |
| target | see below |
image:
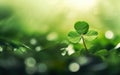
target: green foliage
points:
(82, 33)
(81, 28)
(12, 46)
(102, 52)
(16, 48)
(5, 12)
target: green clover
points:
(81, 32)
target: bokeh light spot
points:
(33, 41)
(1, 49)
(38, 48)
(74, 67)
(83, 60)
(30, 62)
(42, 67)
(109, 34)
(15, 49)
(52, 36)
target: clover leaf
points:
(74, 37)
(82, 33)
(91, 35)
(81, 27)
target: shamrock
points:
(81, 32)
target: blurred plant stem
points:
(83, 40)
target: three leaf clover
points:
(81, 32)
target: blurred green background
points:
(42, 16)
(33, 36)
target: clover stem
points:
(84, 43)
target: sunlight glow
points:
(83, 5)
